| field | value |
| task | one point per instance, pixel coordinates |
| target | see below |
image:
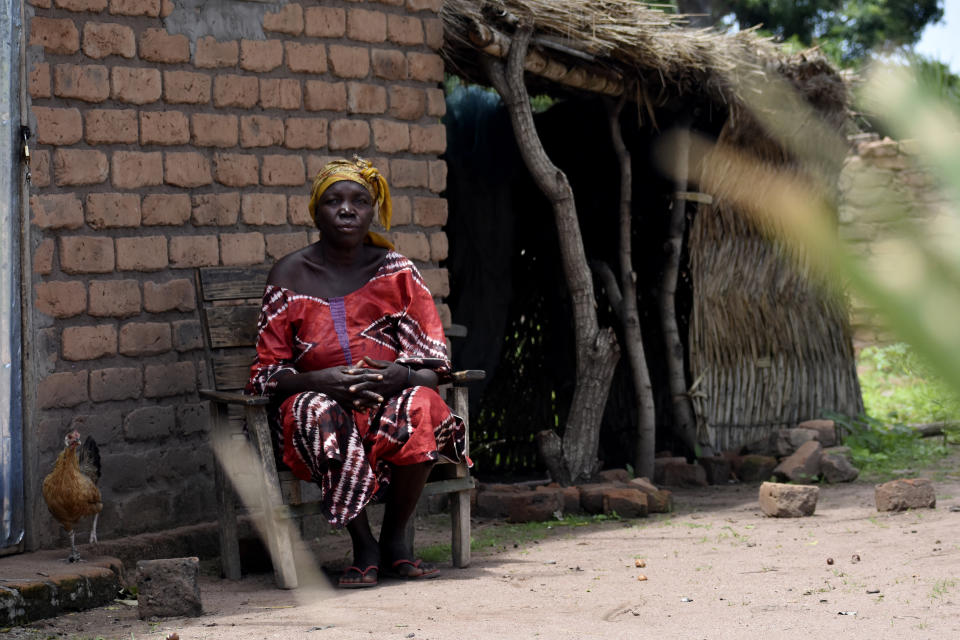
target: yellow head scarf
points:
(363, 173)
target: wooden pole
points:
(575, 459)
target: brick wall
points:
(160, 151)
(883, 187)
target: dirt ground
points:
(715, 568)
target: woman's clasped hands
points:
(365, 385)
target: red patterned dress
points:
(392, 317)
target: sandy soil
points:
(715, 568)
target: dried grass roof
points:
(633, 39)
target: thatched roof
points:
(619, 40)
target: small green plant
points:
(880, 449)
(941, 588)
(898, 387)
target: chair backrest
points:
(230, 299)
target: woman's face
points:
(344, 213)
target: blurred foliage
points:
(881, 450)
(899, 387)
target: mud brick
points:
(437, 281)
(238, 249)
(211, 54)
(803, 465)
(39, 80)
(349, 62)
(106, 39)
(62, 299)
(111, 126)
(174, 295)
(116, 383)
(905, 493)
(306, 58)
(425, 67)
(236, 169)
(305, 133)
(389, 64)
(260, 131)
(281, 244)
(526, 506)
(425, 5)
(165, 209)
(280, 93)
(56, 36)
(144, 338)
(114, 298)
(59, 127)
(436, 103)
(89, 343)
(349, 134)
(40, 169)
(166, 8)
(184, 87)
(788, 500)
(186, 169)
(409, 173)
(187, 335)
(446, 319)
(215, 130)
(413, 245)
(366, 98)
(391, 137)
(90, 83)
(325, 96)
(164, 127)
(149, 8)
(407, 103)
(430, 212)
(156, 45)
(438, 175)
(216, 209)
(57, 211)
(194, 251)
(261, 55)
(366, 26)
(316, 163)
(107, 210)
(135, 85)
(433, 33)
(169, 587)
(86, 254)
(79, 167)
(146, 253)
(439, 246)
(43, 257)
(62, 390)
(149, 423)
(136, 169)
(282, 171)
(95, 6)
(402, 211)
(325, 22)
(428, 139)
(235, 91)
(405, 30)
(298, 211)
(288, 20)
(264, 208)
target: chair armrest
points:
(468, 375)
(225, 397)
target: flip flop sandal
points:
(361, 584)
(424, 572)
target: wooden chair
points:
(229, 299)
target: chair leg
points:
(460, 501)
(226, 501)
(277, 530)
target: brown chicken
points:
(71, 488)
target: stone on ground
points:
(905, 493)
(626, 503)
(835, 465)
(658, 500)
(677, 472)
(785, 442)
(168, 588)
(788, 500)
(614, 475)
(826, 430)
(754, 468)
(571, 496)
(717, 469)
(521, 506)
(801, 466)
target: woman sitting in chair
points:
(350, 349)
